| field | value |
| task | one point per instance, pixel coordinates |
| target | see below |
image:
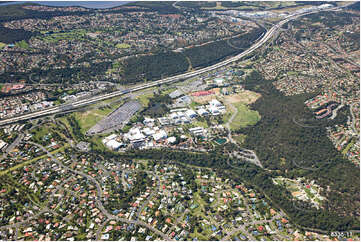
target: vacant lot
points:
(246, 97)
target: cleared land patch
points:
(246, 97)
(122, 46)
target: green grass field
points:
(2, 45)
(144, 99)
(122, 46)
(38, 135)
(71, 35)
(89, 118)
(348, 147)
(239, 138)
(244, 117)
(22, 44)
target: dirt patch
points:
(246, 97)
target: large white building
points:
(2, 144)
(113, 144)
(109, 138)
(134, 135)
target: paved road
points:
(149, 197)
(12, 146)
(94, 99)
(17, 225)
(242, 153)
(100, 229)
(242, 228)
(100, 195)
(227, 125)
(353, 126)
(334, 112)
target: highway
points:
(91, 100)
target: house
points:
(215, 103)
(2, 144)
(161, 134)
(171, 140)
(173, 116)
(219, 81)
(196, 130)
(148, 122)
(105, 237)
(148, 132)
(191, 114)
(185, 120)
(202, 112)
(180, 115)
(164, 121)
(175, 94)
(214, 110)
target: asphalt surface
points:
(95, 99)
(100, 195)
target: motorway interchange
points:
(80, 103)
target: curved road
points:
(99, 195)
(94, 99)
(353, 125)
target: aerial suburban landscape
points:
(182, 120)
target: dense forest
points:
(157, 106)
(65, 75)
(9, 36)
(152, 67)
(213, 52)
(281, 141)
(156, 66)
(286, 149)
(302, 214)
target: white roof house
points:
(148, 121)
(161, 134)
(215, 103)
(174, 115)
(197, 130)
(2, 144)
(171, 140)
(219, 81)
(163, 121)
(214, 110)
(180, 114)
(191, 114)
(185, 120)
(202, 112)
